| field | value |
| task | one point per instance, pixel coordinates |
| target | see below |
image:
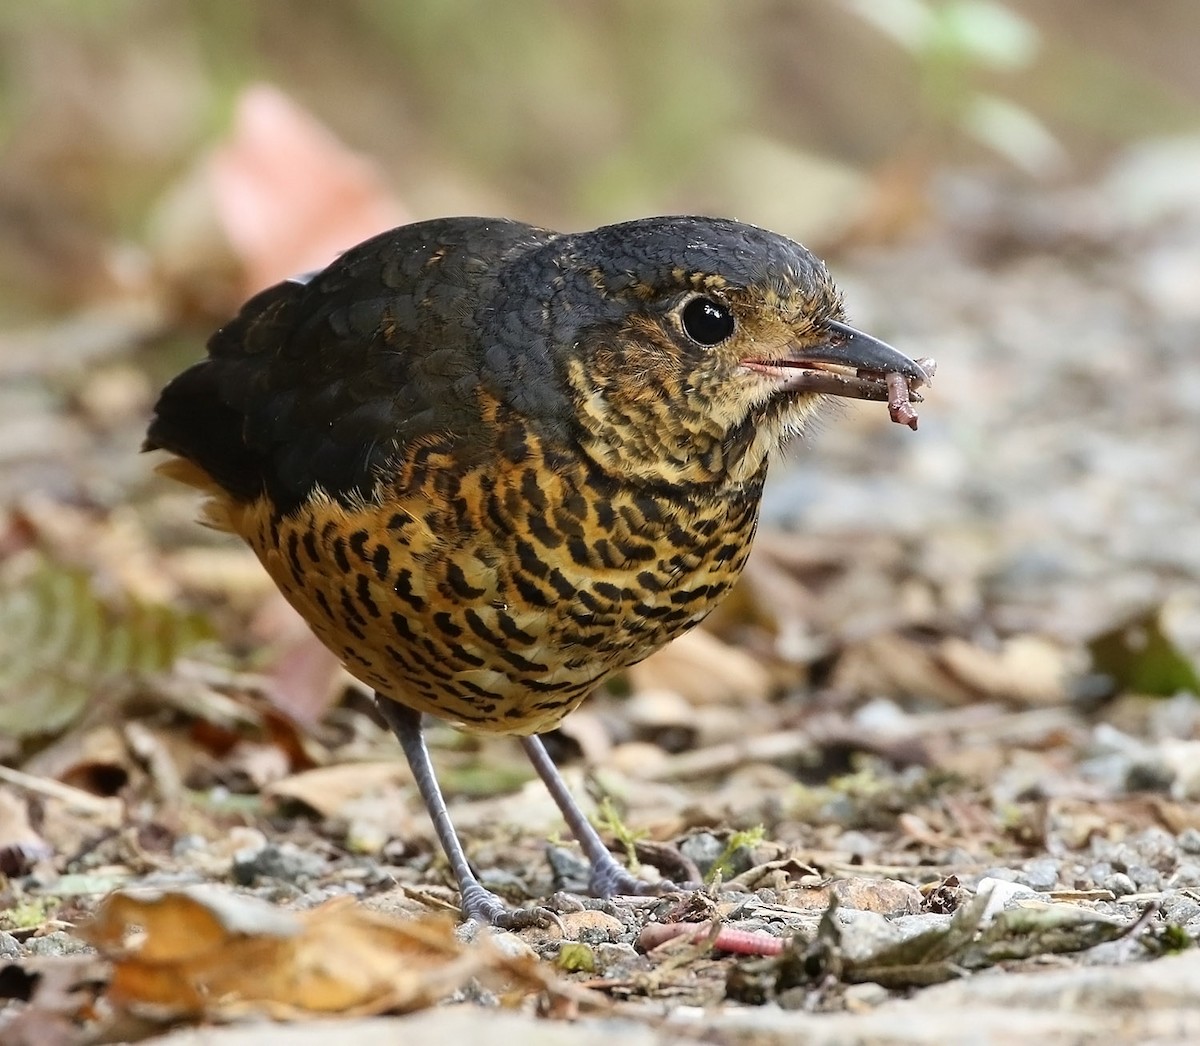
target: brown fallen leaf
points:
(329, 789)
(1024, 671)
(59, 992)
(289, 196)
(20, 845)
(301, 677)
(704, 670)
(94, 759)
(200, 952)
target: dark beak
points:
(860, 352)
(854, 365)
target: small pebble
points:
(887, 896)
(1148, 775)
(1001, 893)
(864, 933)
(1189, 840)
(57, 943)
(1123, 856)
(1180, 909)
(563, 902)
(1186, 875)
(1009, 875)
(907, 926)
(1158, 847)
(612, 956)
(1120, 884)
(592, 927)
(703, 848)
(861, 997)
(511, 946)
(284, 863)
(503, 882)
(1042, 874)
(1145, 877)
(570, 870)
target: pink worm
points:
(739, 942)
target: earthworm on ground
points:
(728, 939)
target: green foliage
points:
(742, 840)
(952, 43)
(62, 645)
(28, 914)
(1166, 939)
(576, 957)
(1140, 657)
(609, 820)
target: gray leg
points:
(608, 877)
(478, 902)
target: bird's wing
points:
(323, 383)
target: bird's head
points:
(696, 346)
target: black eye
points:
(706, 321)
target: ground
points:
(956, 694)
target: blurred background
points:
(1011, 187)
(822, 119)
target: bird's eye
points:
(706, 321)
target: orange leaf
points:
(204, 952)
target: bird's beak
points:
(854, 365)
(852, 349)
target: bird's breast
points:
(500, 596)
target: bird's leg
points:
(477, 901)
(608, 877)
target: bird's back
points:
(317, 382)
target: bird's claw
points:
(610, 879)
(481, 905)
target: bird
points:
(491, 464)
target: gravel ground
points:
(966, 789)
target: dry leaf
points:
(1025, 670)
(93, 759)
(303, 678)
(704, 670)
(20, 845)
(203, 952)
(60, 991)
(329, 789)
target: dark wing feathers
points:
(318, 383)
(202, 414)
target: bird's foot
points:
(610, 879)
(481, 905)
